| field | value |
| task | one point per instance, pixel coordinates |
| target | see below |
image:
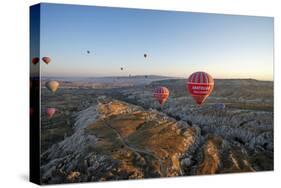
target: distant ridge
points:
(89, 77)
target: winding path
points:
(136, 150)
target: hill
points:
(114, 140)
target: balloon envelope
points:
(52, 85)
(47, 60)
(50, 112)
(200, 86)
(35, 60)
(161, 94)
(144, 55)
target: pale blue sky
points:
(177, 43)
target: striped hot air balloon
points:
(161, 94)
(200, 86)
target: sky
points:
(177, 43)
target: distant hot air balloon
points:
(35, 60)
(50, 112)
(52, 85)
(121, 68)
(144, 55)
(47, 60)
(161, 94)
(200, 86)
(88, 51)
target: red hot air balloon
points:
(47, 60)
(200, 86)
(35, 60)
(161, 94)
(50, 112)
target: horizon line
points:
(174, 77)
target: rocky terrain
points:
(123, 133)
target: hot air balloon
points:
(144, 55)
(200, 86)
(35, 60)
(52, 85)
(161, 94)
(47, 60)
(50, 112)
(121, 68)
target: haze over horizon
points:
(177, 43)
